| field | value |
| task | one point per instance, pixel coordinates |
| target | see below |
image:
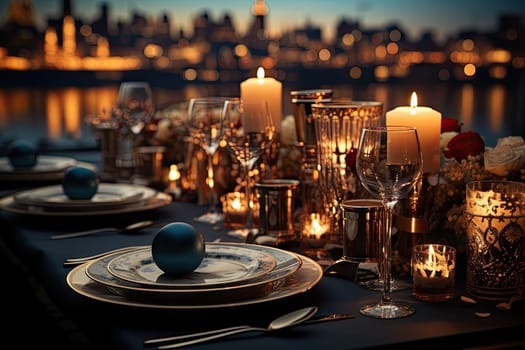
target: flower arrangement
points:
(169, 128)
(466, 158)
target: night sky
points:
(444, 17)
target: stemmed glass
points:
(389, 163)
(204, 123)
(134, 109)
(135, 102)
(248, 131)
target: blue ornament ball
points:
(22, 154)
(178, 248)
(80, 183)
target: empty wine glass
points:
(134, 109)
(135, 102)
(248, 131)
(389, 163)
(204, 123)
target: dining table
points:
(36, 279)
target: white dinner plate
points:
(222, 265)
(304, 279)
(287, 263)
(158, 200)
(44, 164)
(108, 195)
(49, 168)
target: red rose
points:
(464, 144)
(450, 124)
(350, 160)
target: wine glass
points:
(135, 102)
(134, 109)
(204, 123)
(389, 163)
(248, 130)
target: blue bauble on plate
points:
(178, 248)
(80, 183)
(22, 154)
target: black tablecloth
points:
(435, 325)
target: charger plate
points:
(304, 279)
(223, 265)
(44, 164)
(287, 263)
(108, 195)
(48, 168)
(159, 199)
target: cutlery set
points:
(303, 316)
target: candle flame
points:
(413, 100)
(236, 204)
(260, 73)
(431, 255)
(174, 173)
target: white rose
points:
(288, 132)
(517, 143)
(164, 130)
(445, 138)
(501, 160)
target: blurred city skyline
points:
(444, 18)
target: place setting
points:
(23, 162)
(174, 274)
(81, 194)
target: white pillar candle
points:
(264, 89)
(427, 122)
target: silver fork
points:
(81, 260)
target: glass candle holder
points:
(434, 272)
(234, 209)
(313, 234)
(495, 245)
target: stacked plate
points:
(111, 198)
(231, 274)
(47, 168)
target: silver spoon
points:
(287, 320)
(132, 227)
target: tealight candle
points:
(433, 272)
(314, 228)
(174, 181)
(234, 209)
(427, 122)
(264, 89)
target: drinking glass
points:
(248, 131)
(204, 122)
(389, 163)
(134, 109)
(135, 102)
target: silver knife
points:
(331, 317)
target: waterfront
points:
(56, 116)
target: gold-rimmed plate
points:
(222, 265)
(306, 277)
(158, 200)
(108, 195)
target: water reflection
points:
(59, 114)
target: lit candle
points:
(264, 89)
(434, 272)
(173, 178)
(427, 122)
(234, 209)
